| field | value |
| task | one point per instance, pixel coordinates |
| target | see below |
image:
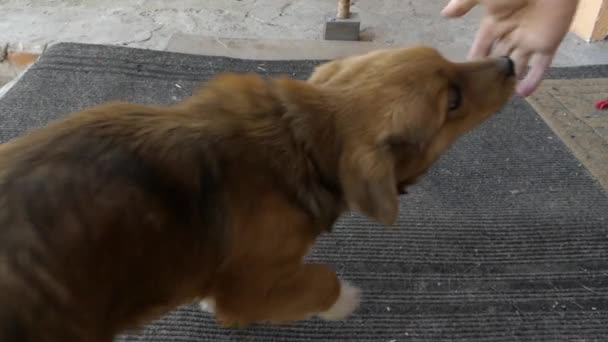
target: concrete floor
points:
(150, 23)
(244, 28)
(29, 25)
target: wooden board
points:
(568, 108)
(591, 20)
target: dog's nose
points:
(506, 65)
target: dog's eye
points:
(454, 98)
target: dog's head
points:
(398, 110)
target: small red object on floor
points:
(602, 105)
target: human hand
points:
(528, 31)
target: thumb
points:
(458, 8)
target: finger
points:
(482, 44)
(458, 8)
(503, 7)
(520, 58)
(502, 47)
(538, 66)
(490, 33)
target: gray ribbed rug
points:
(505, 240)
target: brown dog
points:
(117, 214)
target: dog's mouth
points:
(402, 187)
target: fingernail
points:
(523, 90)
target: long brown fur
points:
(117, 214)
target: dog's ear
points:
(300, 96)
(367, 175)
(366, 171)
(325, 72)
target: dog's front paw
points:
(208, 305)
(347, 302)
